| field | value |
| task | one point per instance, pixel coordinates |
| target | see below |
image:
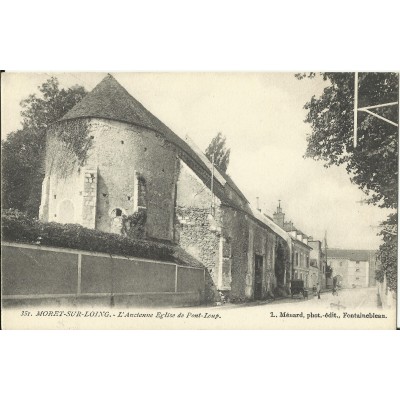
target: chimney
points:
(288, 226)
(279, 216)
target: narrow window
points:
(141, 192)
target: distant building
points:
(317, 260)
(300, 250)
(352, 268)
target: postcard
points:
(257, 200)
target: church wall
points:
(249, 239)
(124, 163)
(62, 192)
(123, 154)
(226, 244)
(195, 230)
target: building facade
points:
(301, 268)
(352, 268)
(318, 261)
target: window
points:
(117, 212)
(297, 258)
(141, 192)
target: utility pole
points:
(368, 110)
(355, 108)
(326, 258)
(212, 185)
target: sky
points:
(262, 117)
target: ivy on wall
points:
(134, 225)
(67, 146)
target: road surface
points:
(360, 298)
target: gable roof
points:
(268, 222)
(353, 255)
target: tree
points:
(373, 164)
(23, 150)
(387, 254)
(221, 153)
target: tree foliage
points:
(373, 164)
(221, 153)
(387, 254)
(23, 150)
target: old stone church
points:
(109, 158)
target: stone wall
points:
(128, 167)
(248, 239)
(195, 230)
(195, 233)
(226, 243)
(89, 196)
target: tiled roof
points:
(353, 255)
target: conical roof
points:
(110, 100)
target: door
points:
(258, 277)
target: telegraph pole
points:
(355, 108)
(368, 109)
(212, 185)
(326, 259)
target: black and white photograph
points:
(199, 200)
